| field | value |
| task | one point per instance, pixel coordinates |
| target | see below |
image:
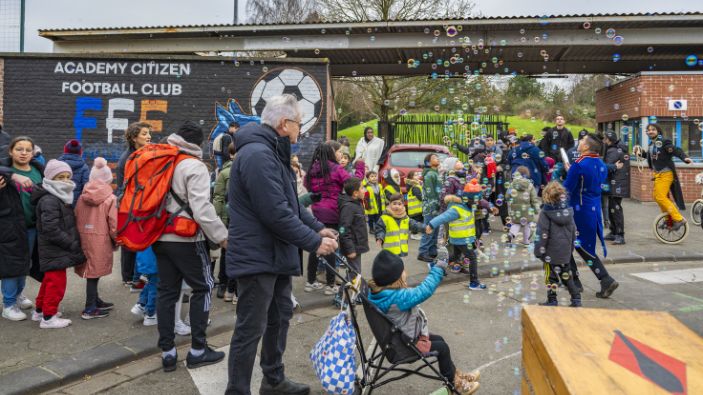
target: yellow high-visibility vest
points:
(396, 240)
(464, 227)
(414, 204)
(374, 206)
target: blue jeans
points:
(13, 287)
(428, 244)
(147, 297)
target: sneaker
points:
(234, 299)
(331, 289)
(24, 303)
(550, 303)
(221, 292)
(297, 307)
(37, 316)
(169, 363)
(607, 286)
(619, 240)
(469, 376)
(136, 287)
(284, 387)
(575, 303)
(677, 225)
(54, 322)
(150, 320)
(424, 258)
(209, 357)
(477, 286)
(13, 313)
(181, 328)
(138, 310)
(228, 296)
(313, 287)
(465, 387)
(127, 284)
(609, 237)
(94, 313)
(104, 306)
(416, 236)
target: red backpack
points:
(142, 217)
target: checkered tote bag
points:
(333, 357)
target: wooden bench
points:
(595, 351)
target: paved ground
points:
(24, 346)
(483, 332)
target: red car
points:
(408, 157)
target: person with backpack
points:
(227, 288)
(220, 145)
(72, 154)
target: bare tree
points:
(281, 11)
(385, 10)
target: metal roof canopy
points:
(384, 47)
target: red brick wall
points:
(649, 94)
(641, 183)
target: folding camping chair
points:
(392, 345)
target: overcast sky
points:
(42, 14)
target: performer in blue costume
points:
(584, 182)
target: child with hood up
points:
(96, 216)
(392, 295)
(392, 178)
(59, 241)
(523, 205)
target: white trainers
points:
(235, 299)
(331, 290)
(181, 328)
(229, 296)
(138, 310)
(24, 302)
(416, 236)
(54, 322)
(150, 320)
(36, 316)
(13, 313)
(316, 286)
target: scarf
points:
(60, 189)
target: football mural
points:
(55, 99)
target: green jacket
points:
(430, 192)
(219, 198)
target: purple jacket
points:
(326, 210)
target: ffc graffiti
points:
(84, 104)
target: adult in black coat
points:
(556, 138)
(617, 159)
(267, 230)
(5, 140)
(13, 232)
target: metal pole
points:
(236, 11)
(22, 25)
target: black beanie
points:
(191, 132)
(612, 136)
(387, 268)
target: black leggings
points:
(313, 263)
(446, 366)
(91, 293)
(470, 253)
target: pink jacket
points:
(326, 210)
(96, 217)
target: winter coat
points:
(430, 192)
(96, 217)
(453, 185)
(556, 232)
(370, 152)
(59, 243)
(326, 210)
(452, 215)
(5, 140)
(526, 154)
(401, 305)
(219, 197)
(13, 232)
(353, 233)
(522, 196)
(584, 184)
(268, 227)
(554, 140)
(618, 179)
(119, 172)
(81, 173)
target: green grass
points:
(354, 133)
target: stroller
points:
(390, 345)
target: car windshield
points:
(412, 158)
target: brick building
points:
(674, 100)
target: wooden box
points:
(595, 351)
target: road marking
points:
(212, 379)
(486, 365)
(669, 277)
(693, 308)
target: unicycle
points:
(663, 231)
(697, 206)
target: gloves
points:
(315, 197)
(215, 254)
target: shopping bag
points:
(333, 357)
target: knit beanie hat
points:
(100, 171)
(448, 164)
(387, 268)
(55, 167)
(73, 147)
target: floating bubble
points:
(426, 30)
(625, 117)
(452, 31)
(652, 119)
(587, 25)
(618, 40)
(616, 57)
(691, 60)
(436, 33)
(597, 30)
(650, 49)
(317, 51)
(610, 33)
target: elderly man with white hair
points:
(268, 231)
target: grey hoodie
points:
(556, 234)
(522, 196)
(191, 182)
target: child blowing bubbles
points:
(59, 241)
(391, 294)
(556, 234)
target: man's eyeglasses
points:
(295, 122)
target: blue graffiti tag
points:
(81, 122)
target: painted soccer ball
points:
(296, 82)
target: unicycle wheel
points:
(664, 233)
(696, 210)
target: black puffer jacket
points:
(618, 179)
(353, 233)
(59, 240)
(557, 223)
(554, 140)
(13, 233)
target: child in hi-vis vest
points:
(414, 187)
(394, 227)
(374, 204)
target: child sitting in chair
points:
(391, 294)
